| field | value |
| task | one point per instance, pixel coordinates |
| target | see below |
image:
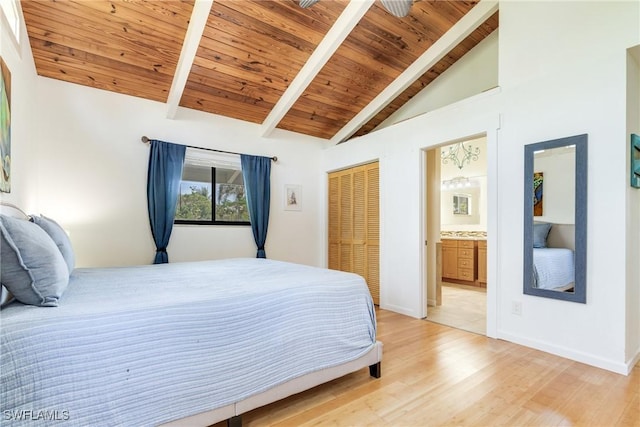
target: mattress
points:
(150, 344)
(554, 268)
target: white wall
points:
(560, 77)
(558, 187)
(562, 72)
(633, 213)
(23, 100)
(474, 73)
(92, 175)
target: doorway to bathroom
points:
(456, 202)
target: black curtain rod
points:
(146, 140)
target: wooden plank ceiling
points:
(248, 55)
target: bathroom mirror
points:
(462, 204)
(555, 218)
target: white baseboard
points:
(402, 310)
(578, 356)
(631, 363)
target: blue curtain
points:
(256, 172)
(163, 185)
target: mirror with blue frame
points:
(555, 218)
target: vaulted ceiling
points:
(334, 70)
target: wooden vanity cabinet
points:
(449, 259)
(466, 260)
(459, 261)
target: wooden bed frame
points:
(233, 413)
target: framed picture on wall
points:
(538, 180)
(292, 197)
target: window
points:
(10, 12)
(211, 190)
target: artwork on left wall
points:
(5, 128)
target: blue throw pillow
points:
(31, 266)
(59, 237)
(540, 233)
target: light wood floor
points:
(434, 375)
(463, 307)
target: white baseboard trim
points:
(399, 309)
(578, 356)
(631, 363)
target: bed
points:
(553, 257)
(182, 343)
(553, 268)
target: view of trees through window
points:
(195, 202)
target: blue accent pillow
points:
(540, 233)
(59, 237)
(31, 266)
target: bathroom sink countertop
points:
(464, 235)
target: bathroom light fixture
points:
(459, 154)
(459, 182)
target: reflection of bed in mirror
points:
(553, 257)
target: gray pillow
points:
(60, 238)
(31, 266)
(540, 233)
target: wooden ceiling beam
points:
(197, 24)
(458, 32)
(343, 26)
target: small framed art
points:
(292, 197)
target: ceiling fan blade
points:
(307, 3)
(398, 8)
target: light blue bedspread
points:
(139, 346)
(553, 267)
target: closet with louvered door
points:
(334, 221)
(346, 221)
(373, 231)
(354, 224)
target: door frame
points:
(493, 230)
